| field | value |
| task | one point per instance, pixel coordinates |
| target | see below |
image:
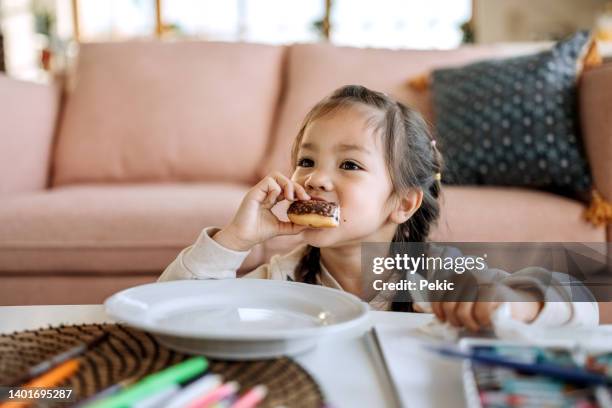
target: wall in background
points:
(532, 20)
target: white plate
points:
(238, 318)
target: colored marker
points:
(46, 365)
(204, 385)
(176, 374)
(216, 395)
(50, 379)
(226, 403)
(253, 397)
(113, 389)
(569, 374)
(159, 399)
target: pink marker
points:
(253, 397)
(215, 395)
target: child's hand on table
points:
(254, 221)
(525, 307)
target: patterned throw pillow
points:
(513, 122)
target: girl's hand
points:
(524, 307)
(254, 221)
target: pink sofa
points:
(103, 185)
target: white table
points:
(343, 367)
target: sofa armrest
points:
(596, 121)
(595, 94)
(28, 116)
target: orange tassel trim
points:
(419, 83)
(599, 212)
(593, 57)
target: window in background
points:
(262, 21)
(33, 37)
(37, 37)
(361, 23)
(205, 19)
(22, 43)
(112, 20)
(278, 21)
(399, 23)
(17, 25)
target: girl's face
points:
(341, 160)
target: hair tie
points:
(433, 142)
(438, 176)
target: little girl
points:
(376, 159)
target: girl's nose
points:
(318, 180)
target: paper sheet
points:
(422, 378)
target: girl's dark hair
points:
(412, 158)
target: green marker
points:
(176, 374)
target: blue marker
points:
(569, 374)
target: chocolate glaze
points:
(318, 207)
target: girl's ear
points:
(406, 205)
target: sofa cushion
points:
(514, 121)
(315, 70)
(497, 214)
(28, 114)
(153, 111)
(124, 228)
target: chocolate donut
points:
(314, 213)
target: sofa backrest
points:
(28, 118)
(315, 70)
(155, 111)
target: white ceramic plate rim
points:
(113, 309)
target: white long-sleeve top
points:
(207, 259)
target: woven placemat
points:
(130, 353)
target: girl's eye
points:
(305, 163)
(350, 165)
